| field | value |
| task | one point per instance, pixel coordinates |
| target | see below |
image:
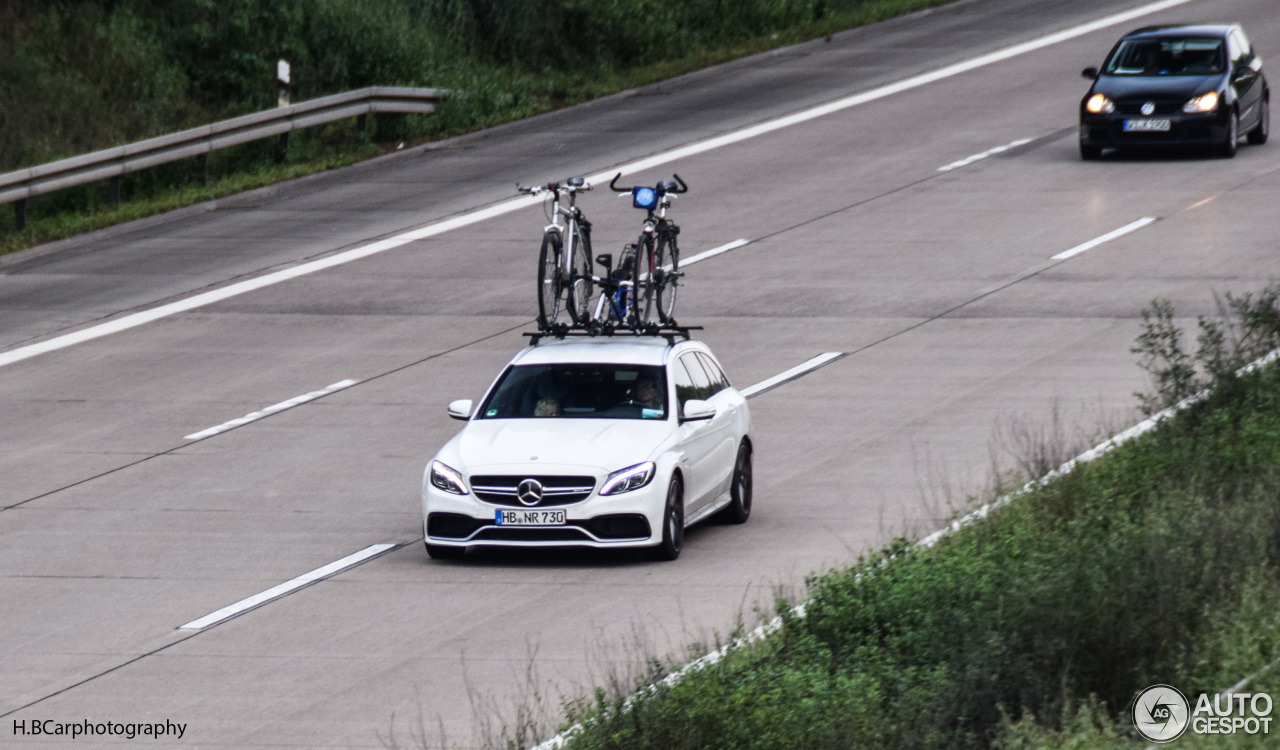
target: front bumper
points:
(632, 519)
(1107, 131)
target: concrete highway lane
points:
(117, 527)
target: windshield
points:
(1190, 56)
(579, 391)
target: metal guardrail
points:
(17, 187)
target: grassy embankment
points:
(1034, 628)
(79, 76)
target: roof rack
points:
(562, 330)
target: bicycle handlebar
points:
(555, 187)
(674, 188)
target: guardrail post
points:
(20, 214)
(115, 190)
(362, 124)
(203, 162)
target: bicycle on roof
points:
(564, 261)
(657, 273)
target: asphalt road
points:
(115, 530)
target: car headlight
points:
(1205, 103)
(1099, 104)
(446, 478)
(630, 478)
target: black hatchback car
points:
(1176, 85)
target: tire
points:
(1258, 135)
(672, 525)
(668, 254)
(1090, 153)
(739, 508)
(550, 281)
(643, 302)
(580, 286)
(1227, 149)
(440, 552)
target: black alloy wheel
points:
(1227, 149)
(1258, 135)
(739, 508)
(672, 525)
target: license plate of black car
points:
(530, 517)
(1131, 126)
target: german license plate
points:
(530, 517)
(1160, 125)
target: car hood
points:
(1133, 87)
(601, 444)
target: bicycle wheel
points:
(667, 259)
(642, 300)
(550, 281)
(622, 304)
(580, 286)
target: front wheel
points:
(580, 286)
(551, 287)
(1258, 135)
(672, 524)
(642, 295)
(1090, 153)
(1227, 148)
(668, 278)
(739, 508)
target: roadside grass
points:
(1034, 628)
(499, 93)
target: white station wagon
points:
(593, 442)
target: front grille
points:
(1163, 106)
(556, 490)
(532, 534)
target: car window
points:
(701, 382)
(581, 391)
(685, 388)
(718, 381)
(1170, 56)
(1241, 42)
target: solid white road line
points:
(136, 319)
(789, 375)
(989, 152)
(255, 416)
(713, 252)
(1122, 231)
(288, 586)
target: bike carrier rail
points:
(562, 331)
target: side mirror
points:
(697, 410)
(460, 409)
(1090, 73)
(1243, 73)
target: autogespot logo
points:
(1161, 713)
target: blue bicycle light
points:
(644, 197)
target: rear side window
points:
(702, 388)
(685, 388)
(718, 379)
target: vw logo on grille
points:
(1149, 108)
(529, 491)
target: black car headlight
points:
(628, 479)
(444, 477)
(1099, 104)
(1203, 103)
